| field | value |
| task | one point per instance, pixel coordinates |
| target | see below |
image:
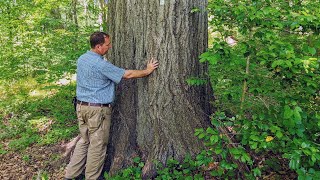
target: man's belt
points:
(93, 104)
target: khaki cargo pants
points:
(90, 151)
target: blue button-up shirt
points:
(96, 78)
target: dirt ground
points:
(35, 161)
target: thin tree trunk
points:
(103, 9)
(74, 12)
(245, 86)
(155, 117)
(85, 7)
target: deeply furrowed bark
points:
(155, 117)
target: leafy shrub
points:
(42, 119)
(133, 172)
(268, 79)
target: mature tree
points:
(155, 117)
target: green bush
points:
(269, 80)
(133, 172)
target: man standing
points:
(96, 80)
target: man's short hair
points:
(97, 38)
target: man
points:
(96, 80)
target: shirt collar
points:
(94, 54)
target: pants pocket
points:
(95, 120)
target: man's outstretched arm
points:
(151, 66)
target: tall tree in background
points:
(103, 14)
(156, 117)
(32, 33)
(74, 13)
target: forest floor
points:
(35, 162)
(51, 119)
(48, 162)
(36, 123)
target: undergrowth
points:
(38, 114)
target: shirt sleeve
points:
(112, 72)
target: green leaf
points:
(312, 50)
(296, 115)
(247, 158)
(205, 56)
(274, 129)
(279, 134)
(235, 151)
(243, 159)
(214, 139)
(210, 57)
(294, 25)
(277, 63)
(186, 171)
(141, 164)
(196, 81)
(215, 122)
(294, 164)
(304, 145)
(136, 159)
(173, 161)
(298, 109)
(202, 135)
(306, 152)
(194, 10)
(214, 59)
(210, 130)
(317, 43)
(288, 63)
(254, 145)
(287, 112)
(256, 172)
(218, 150)
(198, 131)
(255, 138)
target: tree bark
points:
(155, 117)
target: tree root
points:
(67, 150)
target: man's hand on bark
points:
(152, 65)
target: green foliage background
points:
(40, 41)
(266, 85)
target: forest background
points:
(263, 67)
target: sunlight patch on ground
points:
(11, 89)
(40, 93)
(67, 79)
(42, 124)
(2, 92)
(16, 92)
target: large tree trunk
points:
(155, 117)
